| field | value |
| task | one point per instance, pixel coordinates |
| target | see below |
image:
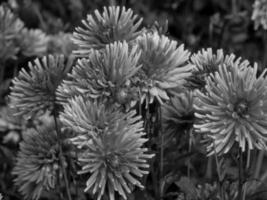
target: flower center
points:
(113, 160)
(122, 95)
(241, 109)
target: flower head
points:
(37, 162)
(115, 24)
(105, 75)
(206, 62)
(164, 66)
(34, 91)
(10, 28)
(61, 43)
(10, 25)
(232, 109)
(259, 14)
(178, 113)
(33, 42)
(111, 146)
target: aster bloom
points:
(34, 91)
(10, 28)
(206, 62)
(105, 75)
(36, 165)
(10, 25)
(111, 144)
(233, 109)
(178, 113)
(259, 14)
(115, 24)
(33, 42)
(164, 66)
(61, 43)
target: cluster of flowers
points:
(17, 40)
(119, 65)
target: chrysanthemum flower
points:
(164, 66)
(105, 75)
(33, 42)
(232, 109)
(10, 25)
(178, 113)
(34, 91)
(259, 15)
(115, 24)
(61, 43)
(37, 166)
(111, 144)
(206, 62)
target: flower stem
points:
(161, 153)
(61, 156)
(220, 178)
(241, 175)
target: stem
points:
(259, 164)
(264, 48)
(189, 150)
(241, 175)
(61, 157)
(219, 173)
(161, 153)
(2, 71)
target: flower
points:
(34, 91)
(33, 42)
(259, 14)
(232, 109)
(115, 24)
(111, 145)
(10, 25)
(10, 28)
(37, 162)
(61, 43)
(105, 75)
(178, 113)
(206, 62)
(164, 66)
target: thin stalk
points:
(240, 176)
(189, 150)
(264, 38)
(219, 174)
(259, 164)
(59, 140)
(161, 152)
(2, 71)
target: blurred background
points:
(197, 23)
